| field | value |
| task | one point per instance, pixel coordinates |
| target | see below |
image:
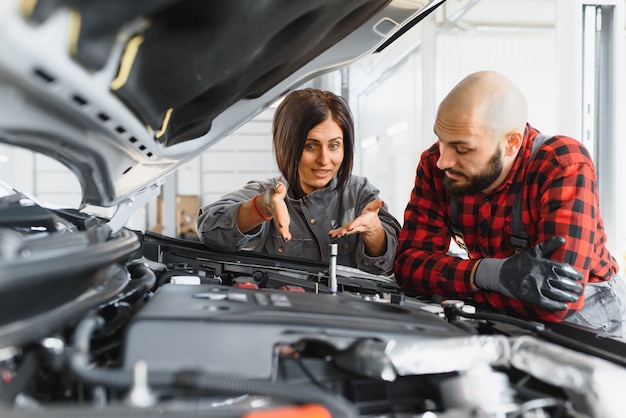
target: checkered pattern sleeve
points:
(422, 262)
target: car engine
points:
(140, 324)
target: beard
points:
(478, 182)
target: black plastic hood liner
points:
(194, 58)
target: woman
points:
(316, 201)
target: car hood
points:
(123, 92)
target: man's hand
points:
(532, 277)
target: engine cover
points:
(233, 332)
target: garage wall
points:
(243, 156)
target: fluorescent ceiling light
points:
(394, 130)
(368, 142)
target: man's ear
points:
(514, 140)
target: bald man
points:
(486, 158)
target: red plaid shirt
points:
(559, 197)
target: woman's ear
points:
(514, 140)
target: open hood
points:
(124, 92)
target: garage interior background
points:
(567, 56)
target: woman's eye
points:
(334, 146)
(462, 150)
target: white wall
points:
(243, 156)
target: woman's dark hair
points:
(297, 114)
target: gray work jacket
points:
(312, 217)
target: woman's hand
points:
(274, 199)
(267, 206)
(370, 228)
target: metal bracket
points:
(125, 209)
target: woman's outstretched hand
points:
(366, 223)
(370, 228)
(274, 199)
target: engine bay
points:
(160, 326)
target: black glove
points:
(531, 277)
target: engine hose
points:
(126, 301)
(124, 311)
(137, 287)
(79, 358)
(148, 278)
(123, 379)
